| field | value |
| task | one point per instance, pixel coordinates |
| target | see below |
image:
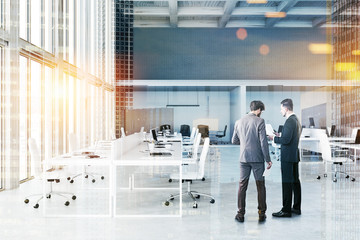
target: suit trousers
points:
(290, 185)
(245, 170)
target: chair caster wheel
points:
(48, 196)
(93, 180)
(171, 197)
(67, 203)
(197, 196)
(212, 201)
(353, 179)
(334, 180)
(167, 203)
(73, 197)
(71, 181)
(68, 178)
(102, 177)
(170, 180)
(318, 177)
(195, 205)
(325, 175)
(86, 176)
(36, 205)
(26, 201)
(203, 179)
(347, 176)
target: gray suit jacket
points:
(250, 133)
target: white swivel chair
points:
(122, 132)
(141, 129)
(192, 135)
(337, 157)
(193, 150)
(50, 176)
(197, 174)
(73, 147)
(192, 153)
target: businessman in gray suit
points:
(249, 133)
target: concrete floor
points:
(329, 210)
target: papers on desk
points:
(269, 130)
(266, 172)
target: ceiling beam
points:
(285, 6)
(318, 22)
(173, 9)
(228, 9)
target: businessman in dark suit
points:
(249, 133)
(289, 141)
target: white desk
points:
(138, 155)
(309, 144)
(80, 160)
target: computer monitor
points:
(312, 123)
(280, 128)
(357, 139)
(355, 136)
(154, 135)
(332, 131)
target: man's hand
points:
(269, 164)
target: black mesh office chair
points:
(165, 127)
(185, 130)
(221, 134)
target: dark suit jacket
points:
(289, 140)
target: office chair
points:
(185, 130)
(164, 129)
(50, 176)
(338, 158)
(189, 176)
(122, 132)
(74, 146)
(192, 134)
(192, 151)
(204, 130)
(221, 134)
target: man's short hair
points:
(288, 103)
(255, 105)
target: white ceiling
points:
(229, 13)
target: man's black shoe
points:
(281, 214)
(262, 218)
(296, 211)
(239, 218)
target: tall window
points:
(36, 22)
(72, 31)
(23, 119)
(1, 119)
(2, 14)
(35, 93)
(48, 81)
(48, 26)
(23, 15)
(72, 105)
